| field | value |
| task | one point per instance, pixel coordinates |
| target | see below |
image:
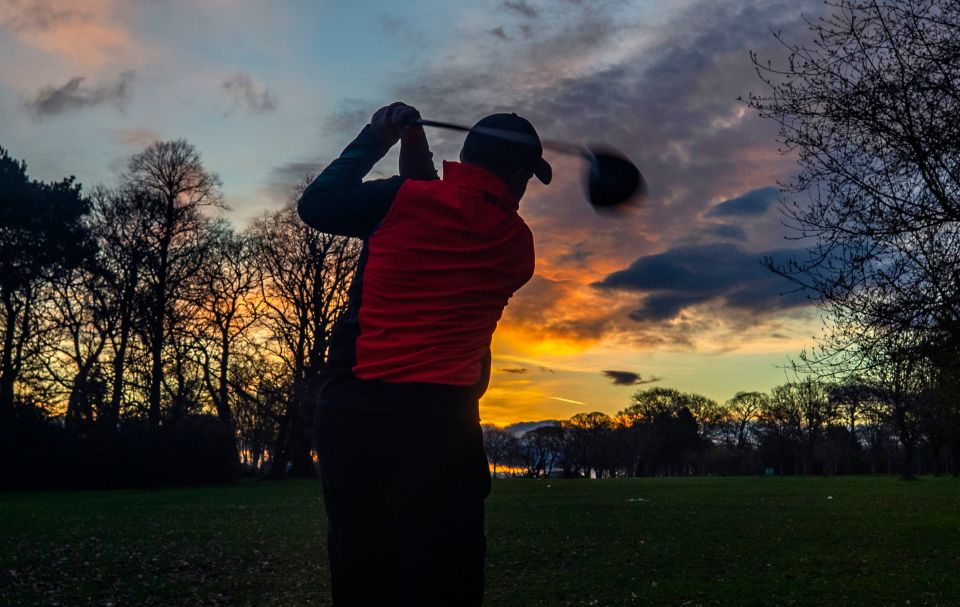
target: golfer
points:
(397, 425)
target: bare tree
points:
(172, 181)
(870, 107)
(497, 443)
(81, 320)
(226, 304)
(305, 276)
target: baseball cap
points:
(507, 141)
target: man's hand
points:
(390, 122)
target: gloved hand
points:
(390, 122)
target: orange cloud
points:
(84, 33)
(139, 137)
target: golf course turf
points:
(665, 541)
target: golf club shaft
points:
(561, 147)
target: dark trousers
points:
(404, 498)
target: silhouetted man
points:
(397, 426)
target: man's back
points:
(440, 269)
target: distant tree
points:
(589, 445)
(743, 410)
(902, 378)
(497, 443)
(647, 404)
(807, 412)
(708, 417)
(541, 450)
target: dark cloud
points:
(756, 202)
(514, 370)
(629, 378)
(287, 180)
(723, 230)
(393, 24)
(75, 95)
(724, 274)
(578, 255)
(246, 94)
(297, 171)
(350, 118)
(521, 7)
(499, 32)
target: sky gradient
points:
(673, 294)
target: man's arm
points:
(340, 202)
(416, 159)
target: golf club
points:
(612, 180)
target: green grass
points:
(685, 541)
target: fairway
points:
(672, 541)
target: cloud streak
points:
(76, 95)
(567, 400)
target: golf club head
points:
(613, 182)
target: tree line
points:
(802, 427)
(143, 339)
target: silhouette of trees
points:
(173, 186)
(131, 315)
(42, 236)
(877, 425)
(498, 444)
(869, 108)
(119, 222)
(588, 448)
(807, 412)
(742, 413)
(542, 449)
(304, 277)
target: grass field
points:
(678, 541)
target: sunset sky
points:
(270, 91)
